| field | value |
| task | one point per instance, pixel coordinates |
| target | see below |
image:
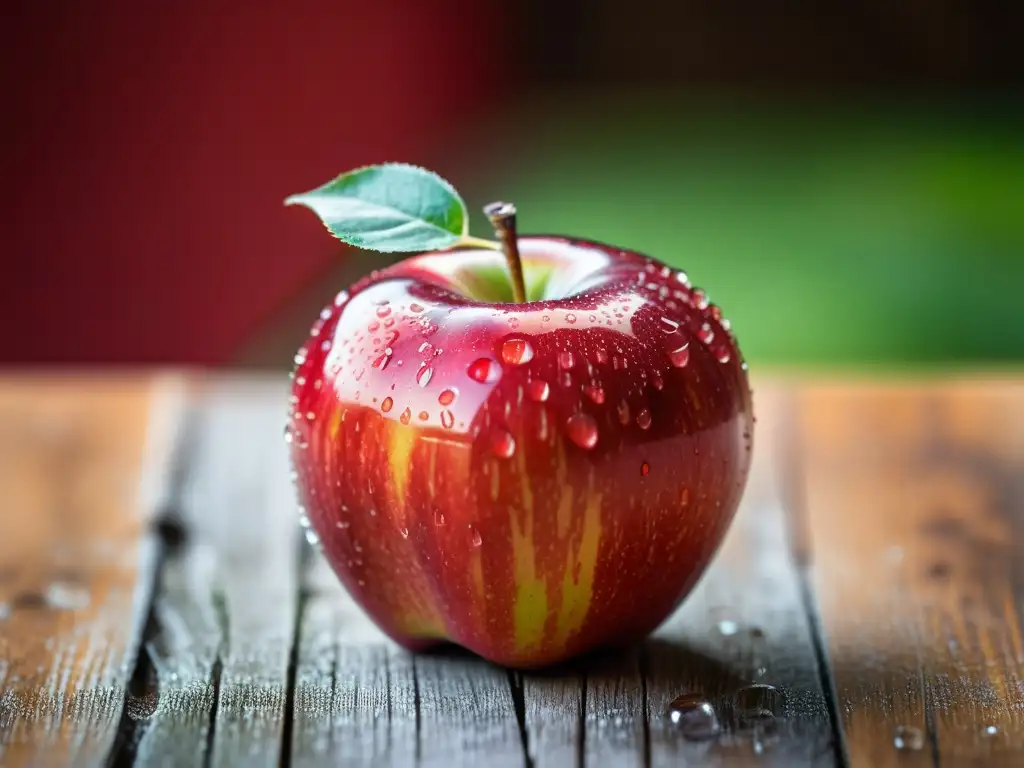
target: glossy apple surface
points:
(529, 481)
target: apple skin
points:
(529, 481)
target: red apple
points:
(527, 480)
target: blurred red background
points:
(147, 148)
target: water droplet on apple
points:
(414, 307)
(682, 277)
(387, 404)
(424, 416)
(694, 716)
(582, 430)
(539, 390)
(311, 537)
(404, 531)
(374, 326)
(475, 538)
(680, 357)
(722, 354)
(447, 396)
(566, 359)
(502, 443)
(382, 360)
(310, 416)
(288, 435)
(565, 379)
(656, 381)
(447, 419)
(706, 334)
(645, 469)
(516, 351)
(643, 418)
(601, 355)
(668, 325)
(623, 411)
(570, 318)
(699, 299)
(423, 375)
(595, 393)
(406, 416)
(483, 370)
(341, 299)
(383, 311)
(439, 518)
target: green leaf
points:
(390, 207)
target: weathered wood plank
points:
(83, 462)
(226, 607)
(743, 640)
(916, 509)
(361, 700)
(744, 628)
(355, 693)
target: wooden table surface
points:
(158, 605)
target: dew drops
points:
(727, 627)
(311, 538)
(595, 393)
(645, 469)
(382, 360)
(656, 381)
(699, 299)
(387, 404)
(341, 298)
(706, 334)
(404, 531)
(538, 390)
(570, 318)
(414, 307)
(424, 375)
(516, 351)
(447, 419)
(643, 418)
(694, 716)
(668, 325)
(623, 411)
(426, 347)
(502, 443)
(601, 355)
(406, 416)
(483, 370)
(383, 311)
(907, 737)
(474, 537)
(683, 278)
(681, 356)
(565, 379)
(423, 416)
(374, 326)
(566, 359)
(582, 430)
(722, 354)
(447, 397)
(439, 518)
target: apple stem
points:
(503, 219)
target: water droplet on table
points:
(694, 716)
(908, 737)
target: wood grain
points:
(226, 608)
(82, 463)
(915, 500)
(745, 626)
(361, 700)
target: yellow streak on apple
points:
(577, 594)
(403, 440)
(531, 603)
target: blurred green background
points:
(884, 233)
